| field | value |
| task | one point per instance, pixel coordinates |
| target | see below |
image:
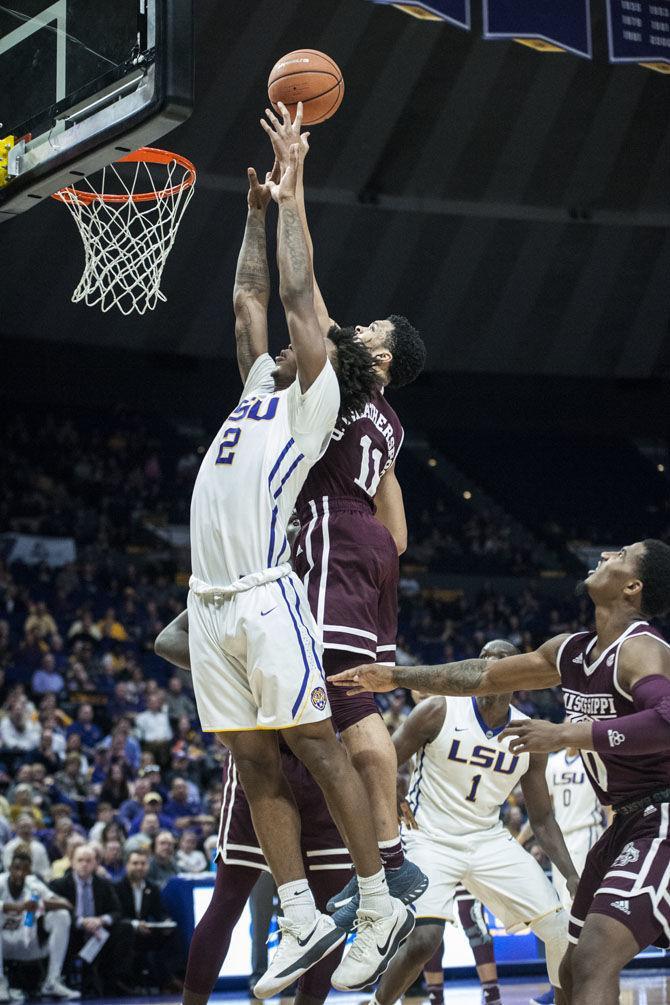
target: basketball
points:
(309, 76)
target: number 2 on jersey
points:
(472, 795)
(228, 443)
(369, 476)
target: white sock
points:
(297, 902)
(374, 893)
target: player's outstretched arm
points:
(419, 728)
(543, 822)
(296, 286)
(283, 133)
(391, 509)
(643, 671)
(251, 293)
(528, 672)
(172, 643)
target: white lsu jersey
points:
(576, 805)
(464, 775)
(252, 473)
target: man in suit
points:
(156, 950)
(97, 913)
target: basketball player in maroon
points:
(616, 684)
(240, 859)
(352, 529)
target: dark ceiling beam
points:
(650, 331)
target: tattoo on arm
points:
(464, 678)
(295, 262)
(253, 276)
(246, 352)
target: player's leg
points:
(408, 963)
(473, 923)
(306, 935)
(57, 925)
(315, 985)
(383, 922)
(433, 976)
(211, 938)
(595, 963)
(513, 886)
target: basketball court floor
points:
(647, 987)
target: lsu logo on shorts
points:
(318, 698)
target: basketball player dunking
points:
(616, 684)
(254, 647)
(352, 528)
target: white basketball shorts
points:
(493, 868)
(579, 843)
(256, 659)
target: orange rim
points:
(147, 155)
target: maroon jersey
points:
(593, 692)
(360, 451)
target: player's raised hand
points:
(533, 736)
(285, 189)
(259, 195)
(283, 133)
(368, 677)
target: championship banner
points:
(639, 32)
(542, 24)
(456, 12)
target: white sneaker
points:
(8, 994)
(378, 938)
(58, 989)
(298, 950)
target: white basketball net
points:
(127, 242)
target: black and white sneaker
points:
(298, 950)
(378, 939)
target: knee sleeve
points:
(475, 927)
(553, 930)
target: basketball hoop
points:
(128, 222)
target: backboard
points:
(83, 82)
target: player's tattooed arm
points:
(543, 822)
(420, 727)
(251, 293)
(296, 284)
(528, 671)
(282, 134)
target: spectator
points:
(152, 803)
(144, 838)
(110, 628)
(115, 789)
(96, 907)
(178, 702)
(189, 857)
(40, 621)
(397, 710)
(25, 836)
(156, 951)
(179, 808)
(104, 816)
(122, 746)
(112, 859)
(163, 865)
(85, 727)
(153, 728)
(61, 865)
(132, 807)
(18, 733)
(21, 891)
(47, 680)
(22, 803)
(46, 754)
(69, 786)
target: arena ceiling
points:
(515, 205)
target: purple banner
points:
(456, 12)
(566, 24)
(638, 31)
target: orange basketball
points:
(309, 76)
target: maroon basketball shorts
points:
(348, 562)
(322, 847)
(626, 877)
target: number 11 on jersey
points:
(369, 476)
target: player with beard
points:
(616, 685)
(352, 530)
